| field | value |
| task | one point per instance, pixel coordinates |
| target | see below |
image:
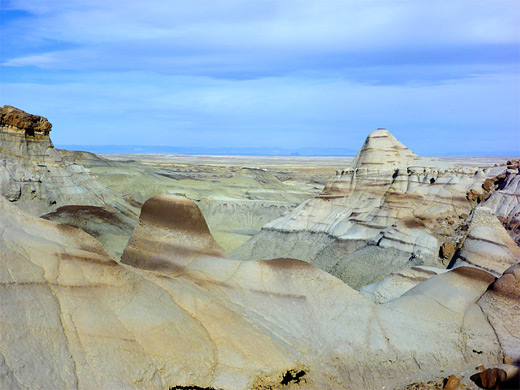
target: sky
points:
(442, 76)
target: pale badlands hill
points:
(236, 195)
(391, 209)
(179, 315)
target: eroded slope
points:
(74, 318)
(386, 212)
(34, 177)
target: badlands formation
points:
(175, 313)
(35, 177)
(235, 195)
(391, 209)
(33, 173)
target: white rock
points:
(487, 244)
(390, 198)
(72, 317)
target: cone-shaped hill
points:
(382, 150)
(387, 211)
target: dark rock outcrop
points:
(19, 120)
(448, 249)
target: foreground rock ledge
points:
(35, 177)
(72, 317)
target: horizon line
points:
(248, 151)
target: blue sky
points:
(442, 76)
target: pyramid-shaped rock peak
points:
(382, 150)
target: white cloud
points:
(267, 73)
(118, 33)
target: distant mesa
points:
(18, 120)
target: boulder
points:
(17, 120)
(475, 196)
(448, 249)
(452, 383)
(501, 377)
(488, 184)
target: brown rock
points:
(472, 193)
(492, 377)
(481, 368)
(488, 184)
(180, 232)
(30, 124)
(507, 360)
(508, 285)
(448, 249)
(452, 383)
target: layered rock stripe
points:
(387, 211)
(74, 318)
